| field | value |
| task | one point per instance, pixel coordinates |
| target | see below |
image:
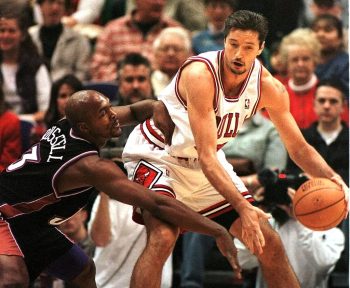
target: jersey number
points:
(31, 156)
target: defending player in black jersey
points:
(54, 179)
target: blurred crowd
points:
(130, 50)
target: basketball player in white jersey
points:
(208, 100)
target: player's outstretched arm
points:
(105, 176)
(303, 154)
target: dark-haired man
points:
(208, 100)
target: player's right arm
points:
(197, 87)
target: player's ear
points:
(262, 46)
(83, 127)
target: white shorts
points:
(148, 164)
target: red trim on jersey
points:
(10, 211)
(211, 70)
(153, 132)
(259, 92)
(143, 126)
(8, 242)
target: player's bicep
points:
(199, 91)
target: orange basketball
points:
(319, 204)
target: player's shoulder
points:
(270, 84)
(196, 70)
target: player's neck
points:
(232, 82)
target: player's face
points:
(103, 123)
(328, 104)
(135, 83)
(10, 35)
(241, 49)
(300, 64)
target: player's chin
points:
(116, 132)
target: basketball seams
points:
(323, 208)
(296, 202)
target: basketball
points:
(319, 204)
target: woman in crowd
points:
(23, 76)
(60, 92)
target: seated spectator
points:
(330, 137)
(119, 240)
(312, 254)
(277, 68)
(189, 13)
(300, 52)
(60, 92)
(134, 84)
(86, 12)
(65, 51)
(213, 37)
(171, 48)
(24, 78)
(134, 32)
(10, 135)
(334, 60)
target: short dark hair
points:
(332, 21)
(134, 59)
(247, 20)
(334, 83)
(232, 3)
(325, 3)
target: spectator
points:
(300, 52)
(120, 241)
(60, 92)
(10, 135)
(189, 13)
(134, 32)
(134, 84)
(337, 8)
(277, 68)
(213, 37)
(328, 134)
(171, 48)
(334, 61)
(64, 50)
(330, 137)
(87, 12)
(312, 254)
(257, 146)
(24, 78)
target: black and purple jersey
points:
(28, 186)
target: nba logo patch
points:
(247, 104)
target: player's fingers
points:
(234, 264)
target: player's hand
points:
(252, 236)
(337, 179)
(227, 248)
(162, 121)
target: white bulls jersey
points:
(230, 111)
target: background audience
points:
(64, 50)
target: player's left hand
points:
(337, 179)
(162, 121)
(227, 248)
